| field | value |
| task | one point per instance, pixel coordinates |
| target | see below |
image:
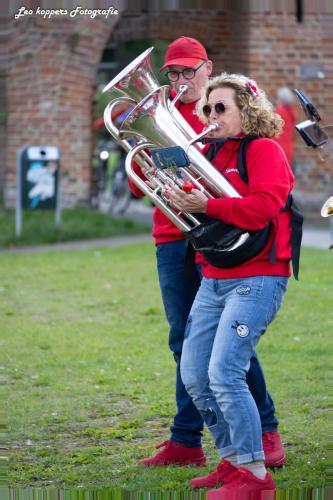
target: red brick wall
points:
(279, 46)
(50, 76)
(51, 70)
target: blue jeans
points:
(224, 326)
(178, 294)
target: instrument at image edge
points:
(155, 122)
(327, 208)
(314, 136)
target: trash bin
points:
(38, 175)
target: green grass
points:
(77, 224)
(89, 382)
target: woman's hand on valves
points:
(185, 200)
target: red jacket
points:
(270, 181)
(287, 137)
(164, 230)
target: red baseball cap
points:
(184, 51)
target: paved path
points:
(317, 238)
(312, 237)
(82, 245)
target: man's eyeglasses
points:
(218, 106)
(188, 73)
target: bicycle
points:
(113, 193)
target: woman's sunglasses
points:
(218, 106)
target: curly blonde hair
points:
(257, 115)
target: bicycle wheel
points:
(120, 194)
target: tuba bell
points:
(126, 90)
(155, 122)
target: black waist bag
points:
(212, 239)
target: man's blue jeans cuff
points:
(188, 444)
(270, 428)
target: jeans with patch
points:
(224, 326)
(178, 294)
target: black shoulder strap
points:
(296, 235)
(241, 160)
(296, 232)
(214, 148)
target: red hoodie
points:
(270, 181)
(164, 230)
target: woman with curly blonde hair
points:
(237, 301)
(257, 115)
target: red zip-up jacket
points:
(164, 230)
(270, 182)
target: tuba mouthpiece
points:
(213, 126)
(182, 90)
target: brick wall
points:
(276, 54)
(50, 76)
(52, 64)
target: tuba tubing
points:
(144, 161)
(156, 196)
(152, 193)
(111, 127)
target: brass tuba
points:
(155, 122)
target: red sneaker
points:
(273, 448)
(176, 454)
(216, 478)
(243, 485)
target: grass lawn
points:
(89, 382)
(76, 224)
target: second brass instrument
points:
(327, 208)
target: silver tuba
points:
(127, 89)
(155, 122)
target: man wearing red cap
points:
(187, 63)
